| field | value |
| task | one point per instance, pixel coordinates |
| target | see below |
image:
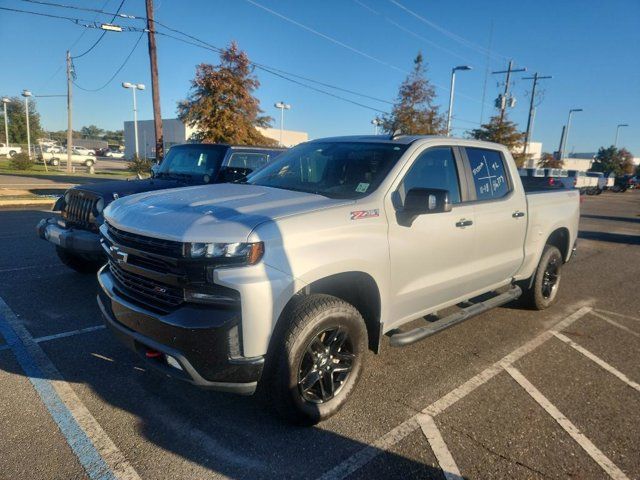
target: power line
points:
(85, 9)
(448, 33)
(326, 37)
(117, 71)
(102, 35)
(49, 15)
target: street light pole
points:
(134, 87)
(6, 100)
(26, 94)
(376, 122)
(282, 106)
(615, 144)
(451, 92)
(566, 132)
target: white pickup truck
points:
(9, 151)
(287, 278)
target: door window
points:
(434, 168)
(489, 174)
(251, 161)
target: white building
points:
(175, 132)
(534, 154)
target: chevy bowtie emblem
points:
(118, 256)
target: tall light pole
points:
(6, 100)
(615, 144)
(282, 106)
(453, 84)
(26, 94)
(563, 144)
(134, 87)
(376, 122)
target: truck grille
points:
(155, 294)
(159, 246)
(80, 207)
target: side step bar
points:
(401, 339)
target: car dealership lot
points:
(509, 394)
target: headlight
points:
(99, 206)
(227, 253)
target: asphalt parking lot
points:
(509, 394)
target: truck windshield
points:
(333, 169)
(192, 160)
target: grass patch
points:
(38, 169)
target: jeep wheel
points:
(76, 262)
(546, 281)
(88, 163)
(12, 153)
(54, 161)
(319, 360)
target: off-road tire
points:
(309, 317)
(534, 294)
(77, 262)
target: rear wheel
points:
(77, 262)
(319, 360)
(542, 292)
(12, 153)
(89, 163)
(54, 161)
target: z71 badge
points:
(359, 214)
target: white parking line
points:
(69, 334)
(616, 324)
(368, 453)
(439, 447)
(31, 267)
(609, 368)
(609, 312)
(600, 458)
(95, 450)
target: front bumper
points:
(79, 241)
(202, 340)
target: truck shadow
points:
(608, 217)
(610, 237)
(239, 437)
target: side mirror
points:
(420, 201)
(154, 170)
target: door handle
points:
(464, 223)
(517, 214)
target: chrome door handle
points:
(517, 214)
(464, 223)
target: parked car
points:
(75, 233)
(540, 179)
(56, 158)
(579, 180)
(604, 183)
(288, 277)
(83, 150)
(9, 151)
(113, 153)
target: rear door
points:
(430, 257)
(500, 209)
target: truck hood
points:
(225, 212)
(123, 188)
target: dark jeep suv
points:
(75, 233)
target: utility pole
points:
(69, 113)
(506, 99)
(527, 137)
(155, 84)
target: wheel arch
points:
(561, 239)
(355, 287)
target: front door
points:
(429, 258)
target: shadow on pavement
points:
(610, 237)
(613, 219)
(239, 437)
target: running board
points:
(401, 339)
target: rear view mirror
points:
(233, 174)
(420, 201)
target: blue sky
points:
(590, 47)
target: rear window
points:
(489, 173)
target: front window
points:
(333, 169)
(193, 160)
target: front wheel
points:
(88, 163)
(318, 361)
(54, 161)
(543, 291)
(12, 153)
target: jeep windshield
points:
(188, 161)
(347, 170)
